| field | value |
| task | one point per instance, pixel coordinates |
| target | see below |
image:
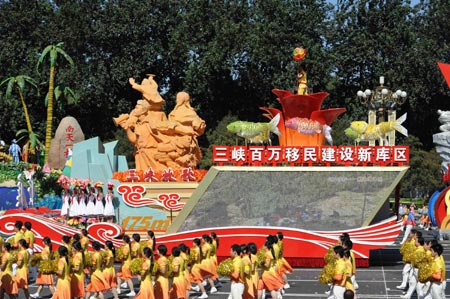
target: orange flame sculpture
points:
(301, 106)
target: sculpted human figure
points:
(193, 125)
(184, 114)
(160, 142)
(148, 88)
(142, 133)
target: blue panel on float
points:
(431, 205)
(91, 159)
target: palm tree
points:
(52, 51)
(18, 82)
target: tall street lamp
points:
(382, 103)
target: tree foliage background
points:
(228, 55)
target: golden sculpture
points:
(302, 82)
(162, 142)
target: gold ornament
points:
(35, 259)
(225, 268)
(326, 275)
(136, 266)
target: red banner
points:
(311, 155)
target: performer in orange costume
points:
(162, 278)
(19, 234)
(98, 283)
(178, 289)
(283, 267)
(29, 237)
(45, 279)
(237, 274)
(146, 288)
(151, 242)
(8, 283)
(249, 288)
(207, 265)
(22, 267)
(108, 272)
(77, 276)
(214, 248)
(269, 280)
(255, 275)
(84, 240)
(195, 276)
(63, 284)
(124, 271)
(184, 255)
(348, 271)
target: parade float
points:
(304, 186)
(439, 204)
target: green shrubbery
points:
(45, 182)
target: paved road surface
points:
(377, 282)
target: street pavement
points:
(378, 281)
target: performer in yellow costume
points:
(124, 271)
(109, 272)
(207, 264)
(283, 267)
(255, 275)
(84, 240)
(237, 275)
(405, 250)
(178, 289)
(22, 267)
(146, 287)
(161, 286)
(196, 274)
(98, 283)
(339, 277)
(45, 279)
(348, 244)
(439, 276)
(8, 283)
(151, 242)
(269, 280)
(184, 255)
(417, 257)
(19, 234)
(250, 290)
(348, 270)
(63, 284)
(77, 276)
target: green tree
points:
(368, 39)
(217, 136)
(52, 51)
(18, 83)
(424, 174)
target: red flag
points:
(445, 69)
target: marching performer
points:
(109, 271)
(45, 279)
(63, 284)
(77, 276)
(98, 284)
(146, 287)
(161, 286)
(178, 289)
(269, 279)
(22, 267)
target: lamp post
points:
(382, 102)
